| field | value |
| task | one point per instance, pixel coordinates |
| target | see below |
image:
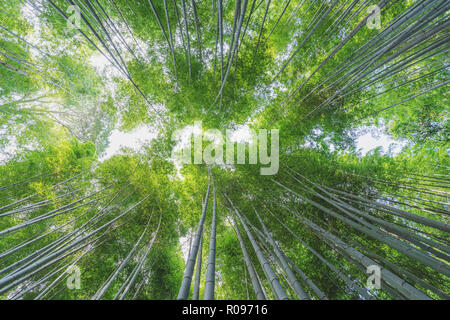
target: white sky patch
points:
(98, 61)
(9, 151)
(33, 19)
(12, 149)
(134, 140)
(184, 244)
(367, 138)
(103, 66)
(376, 137)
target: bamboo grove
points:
(136, 225)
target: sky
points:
(375, 137)
(370, 138)
(185, 242)
(134, 140)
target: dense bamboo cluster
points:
(370, 218)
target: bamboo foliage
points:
(189, 270)
(211, 268)
(271, 277)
